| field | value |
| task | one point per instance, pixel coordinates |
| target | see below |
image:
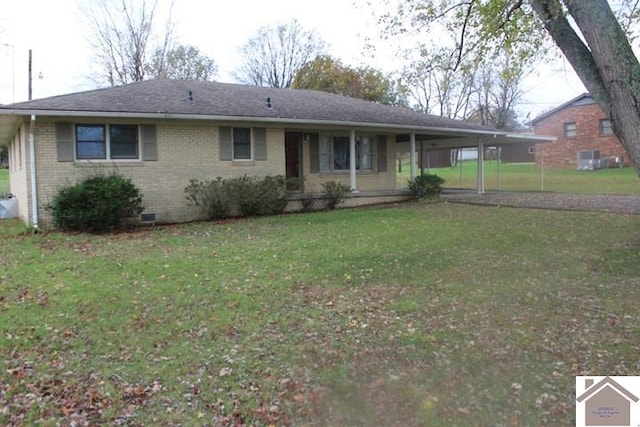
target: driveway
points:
(623, 204)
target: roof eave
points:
(395, 127)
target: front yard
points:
(410, 315)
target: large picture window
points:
(335, 153)
(104, 142)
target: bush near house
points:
(426, 187)
(334, 193)
(97, 204)
(241, 196)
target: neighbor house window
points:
(335, 153)
(532, 149)
(605, 127)
(242, 143)
(104, 142)
(570, 129)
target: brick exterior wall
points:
(563, 153)
(186, 150)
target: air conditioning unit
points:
(588, 160)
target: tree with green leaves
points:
(595, 39)
(273, 56)
(327, 74)
(182, 63)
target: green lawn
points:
(526, 177)
(4, 180)
(412, 315)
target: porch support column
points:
(480, 179)
(352, 162)
(412, 156)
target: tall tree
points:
(275, 54)
(123, 35)
(498, 90)
(182, 63)
(595, 41)
(327, 74)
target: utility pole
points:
(30, 79)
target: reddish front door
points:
(292, 143)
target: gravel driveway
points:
(560, 201)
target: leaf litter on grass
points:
(207, 325)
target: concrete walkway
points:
(622, 204)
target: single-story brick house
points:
(163, 133)
(584, 138)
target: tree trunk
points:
(606, 64)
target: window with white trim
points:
(570, 129)
(107, 142)
(335, 153)
(605, 127)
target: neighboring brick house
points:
(164, 133)
(584, 138)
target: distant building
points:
(584, 138)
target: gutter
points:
(32, 171)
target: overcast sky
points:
(57, 34)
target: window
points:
(605, 127)
(532, 149)
(241, 143)
(335, 153)
(570, 129)
(107, 142)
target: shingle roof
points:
(580, 100)
(208, 99)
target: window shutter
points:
(260, 143)
(382, 153)
(149, 143)
(314, 153)
(64, 142)
(226, 145)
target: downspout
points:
(352, 161)
(32, 171)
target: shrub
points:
(241, 196)
(426, 187)
(307, 201)
(211, 196)
(97, 204)
(334, 193)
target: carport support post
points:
(412, 156)
(352, 161)
(480, 179)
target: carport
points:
(418, 141)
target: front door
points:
(292, 148)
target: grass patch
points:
(414, 315)
(4, 180)
(527, 177)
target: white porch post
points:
(352, 161)
(542, 167)
(480, 179)
(412, 156)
